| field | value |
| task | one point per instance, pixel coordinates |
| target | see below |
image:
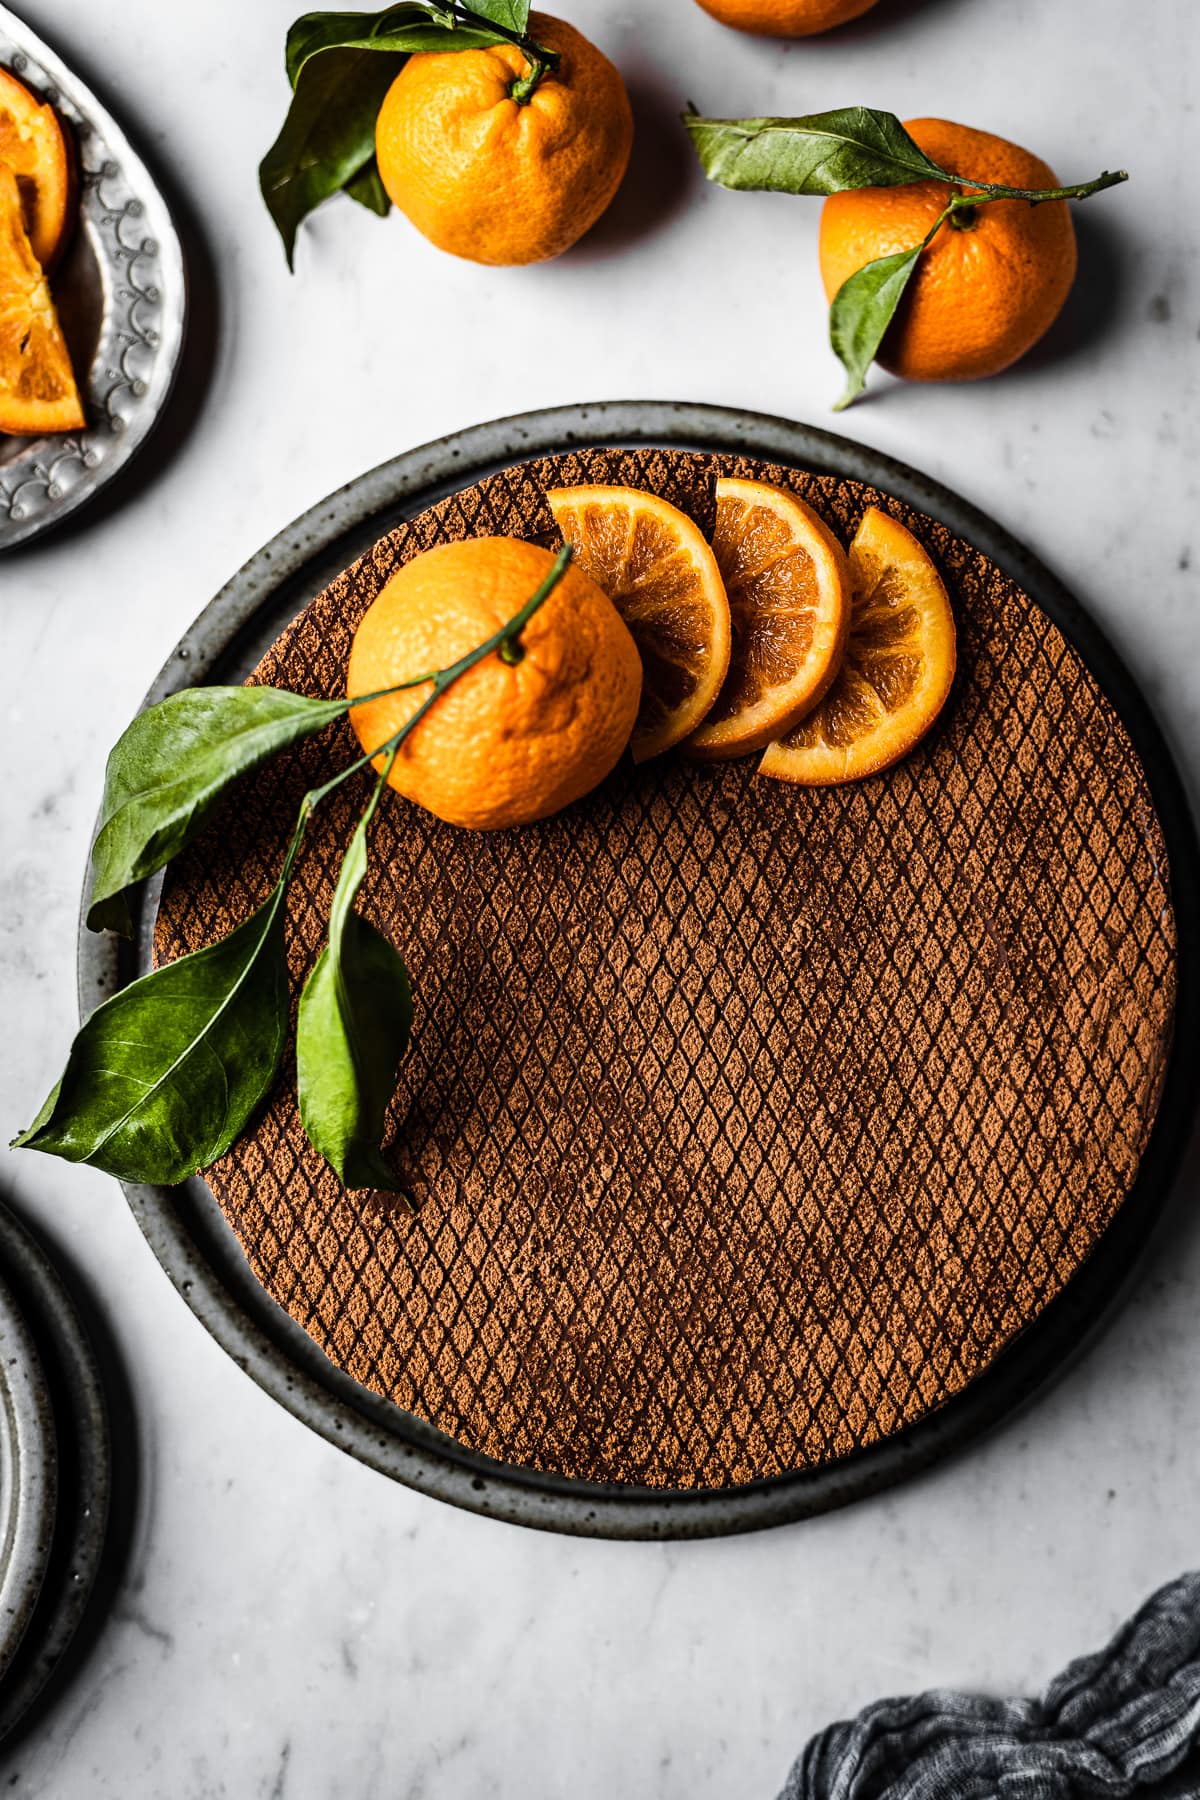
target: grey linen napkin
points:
(1111, 1725)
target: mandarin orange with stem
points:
(520, 735)
(498, 159)
(992, 280)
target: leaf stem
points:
(539, 56)
(382, 782)
(983, 191)
(441, 679)
(939, 222)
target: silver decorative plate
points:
(121, 294)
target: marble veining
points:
(291, 1624)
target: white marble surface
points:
(293, 1624)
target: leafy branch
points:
(339, 67)
(830, 153)
(164, 1075)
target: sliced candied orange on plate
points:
(896, 673)
(35, 147)
(37, 386)
(789, 598)
(654, 564)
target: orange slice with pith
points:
(789, 598)
(897, 670)
(35, 147)
(37, 386)
(654, 564)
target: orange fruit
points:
(897, 671)
(497, 178)
(786, 18)
(37, 388)
(35, 147)
(506, 743)
(991, 282)
(789, 601)
(653, 563)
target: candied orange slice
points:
(37, 388)
(789, 598)
(35, 147)
(897, 670)
(653, 563)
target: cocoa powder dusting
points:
(748, 1124)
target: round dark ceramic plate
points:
(186, 1227)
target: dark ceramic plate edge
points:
(76, 1399)
(189, 1235)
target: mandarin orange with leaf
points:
(992, 280)
(492, 172)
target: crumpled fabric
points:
(1113, 1724)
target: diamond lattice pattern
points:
(748, 1123)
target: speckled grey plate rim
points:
(30, 1466)
(74, 1396)
(200, 1253)
(140, 258)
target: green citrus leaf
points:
(327, 137)
(822, 153)
(353, 1026)
(862, 310)
(401, 29)
(340, 66)
(169, 769)
(163, 1077)
(514, 14)
(368, 189)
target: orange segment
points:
(655, 566)
(789, 598)
(35, 148)
(37, 388)
(898, 667)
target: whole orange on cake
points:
(497, 161)
(510, 742)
